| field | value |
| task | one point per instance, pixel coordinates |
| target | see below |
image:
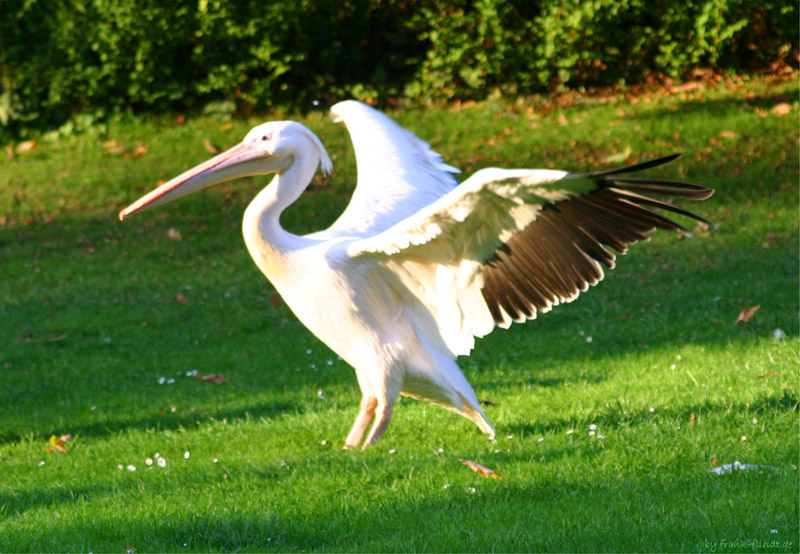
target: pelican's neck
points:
(261, 225)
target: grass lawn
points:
(611, 411)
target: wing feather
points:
(568, 241)
(398, 173)
(526, 239)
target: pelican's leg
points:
(364, 418)
(384, 413)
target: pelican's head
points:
(268, 148)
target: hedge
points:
(68, 61)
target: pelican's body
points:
(417, 266)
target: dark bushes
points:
(59, 58)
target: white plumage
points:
(417, 266)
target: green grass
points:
(91, 319)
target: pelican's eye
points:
(266, 137)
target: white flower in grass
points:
(161, 462)
(130, 467)
(148, 461)
(186, 455)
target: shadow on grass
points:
(666, 511)
(171, 422)
(715, 108)
(621, 416)
(333, 530)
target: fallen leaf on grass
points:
(181, 299)
(747, 314)
(113, 147)
(210, 147)
(137, 153)
(213, 377)
(27, 146)
(174, 234)
(701, 229)
(729, 135)
(766, 374)
(57, 444)
(482, 469)
(618, 157)
(781, 109)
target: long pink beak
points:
(240, 161)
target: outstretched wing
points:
(398, 173)
(507, 244)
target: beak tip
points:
(122, 215)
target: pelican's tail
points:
(474, 413)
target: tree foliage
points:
(76, 62)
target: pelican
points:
(418, 265)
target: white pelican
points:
(417, 266)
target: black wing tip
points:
(664, 187)
(639, 166)
(606, 178)
(559, 255)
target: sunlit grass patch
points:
(611, 411)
